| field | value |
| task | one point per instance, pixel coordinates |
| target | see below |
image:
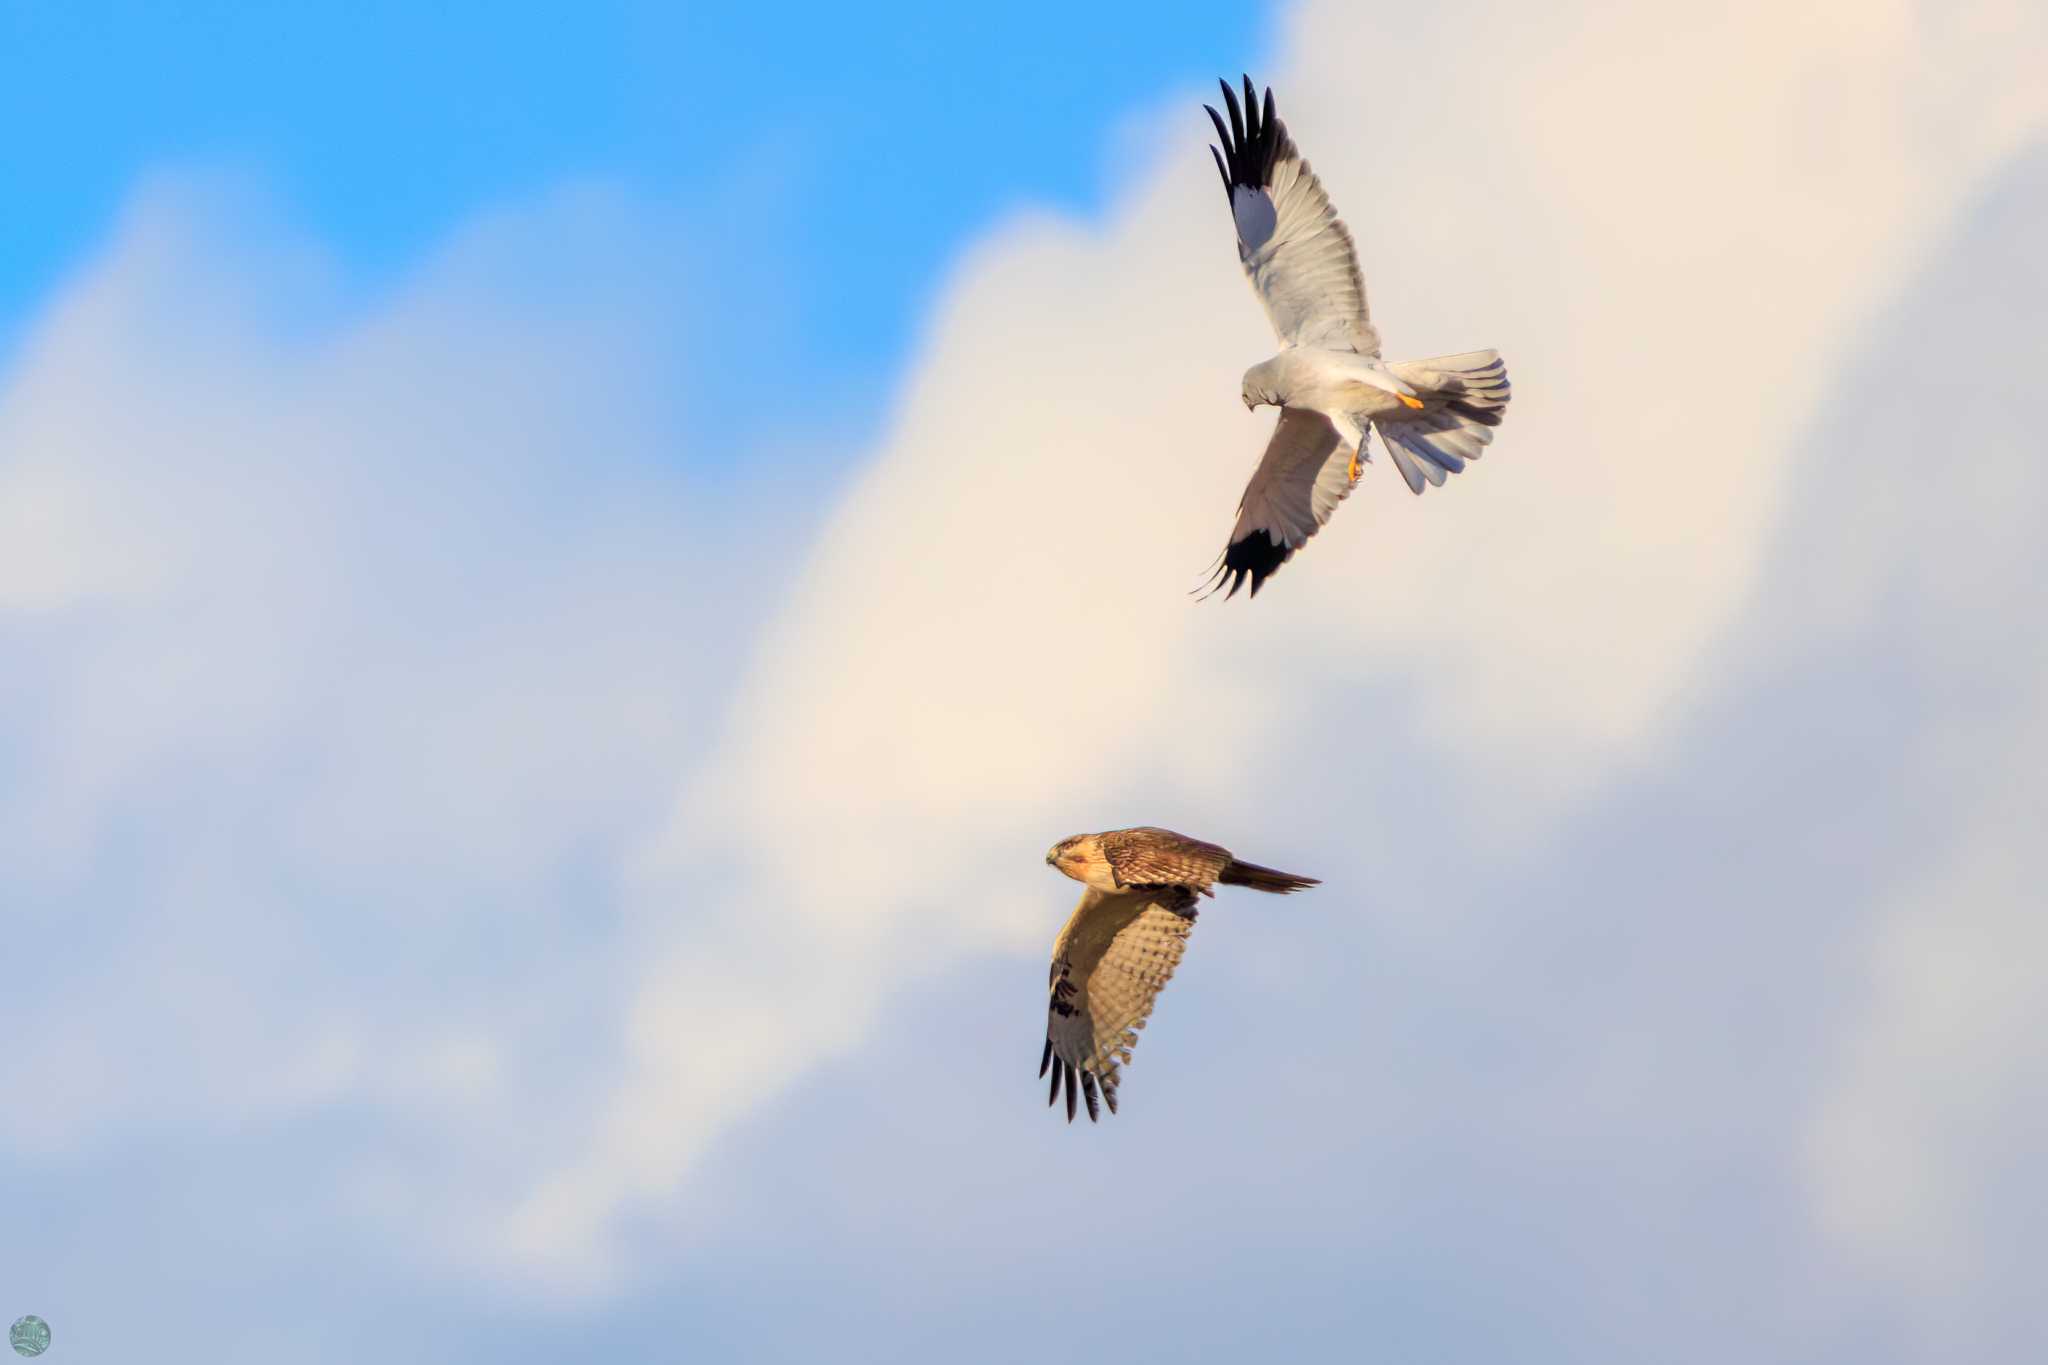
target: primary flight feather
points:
(1119, 948)
(1328, 380)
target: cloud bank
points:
(430, 787)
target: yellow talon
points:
(1411, 402)
(1355, 466)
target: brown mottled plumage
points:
(1119, 948)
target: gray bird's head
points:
(1262, 386)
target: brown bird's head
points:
(1080, 857)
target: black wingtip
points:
(1072, 1090)
(1236, 116)
(1269, 125)
(1251, 142)
(1046, 1060)
(1088, 1093)
(1052, 1096)
(1253, 559)
(1229, 101)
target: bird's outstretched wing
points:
(1109, 963)
(1296, 251)
(1303, 475)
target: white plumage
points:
(1328, 380)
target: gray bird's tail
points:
(1463, 397)
(1264, 879)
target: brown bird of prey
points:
(1120, 946)
(1328, 380)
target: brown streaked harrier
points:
(1119, 948)
(1328, 380)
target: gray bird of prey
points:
(1328, 380)
(1120, 946)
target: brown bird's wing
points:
(1116, 953)
(1158, 857)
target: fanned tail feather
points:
(1464, 397)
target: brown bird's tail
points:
(1264, 879)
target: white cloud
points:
(1924, 1145)
(349, 647)
(1671, 223)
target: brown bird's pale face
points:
(1081, 858)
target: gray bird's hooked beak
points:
(1249, 405)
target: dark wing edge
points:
(1065, 1074)
(1060, 990)
(1252, 143)
(1093, 1080)
(1258, 553)
(1256, 556)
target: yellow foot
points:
(1411, 402)
(1355, 467)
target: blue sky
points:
(865, 145)
(558, 574)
